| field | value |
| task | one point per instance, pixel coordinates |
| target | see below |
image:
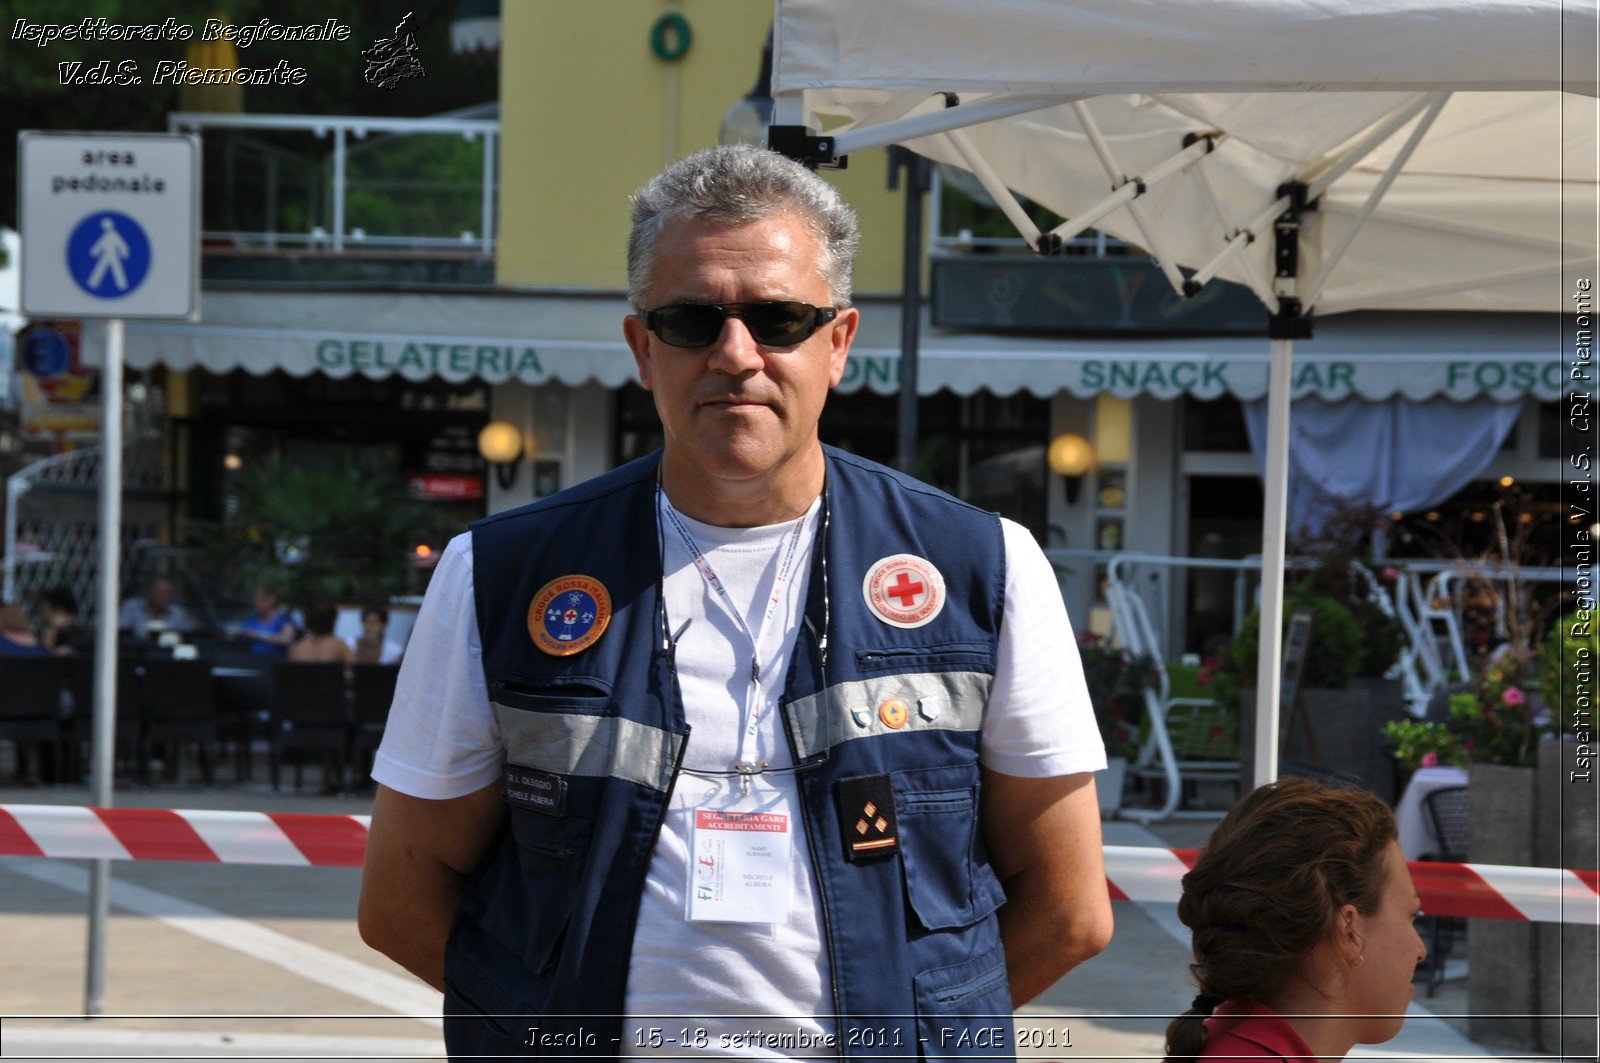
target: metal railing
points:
(338, 183)
(1427, 610)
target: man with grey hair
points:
(751, 747)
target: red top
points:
(1234, 1035)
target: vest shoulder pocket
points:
(946, 656)
(948, 880)
(551, 695)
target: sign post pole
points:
(105, 661)
(111, 230)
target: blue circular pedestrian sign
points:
(45, 352)
(108, 254)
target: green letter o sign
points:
(670, 37)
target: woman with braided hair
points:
(1302, 910)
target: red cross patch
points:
(904, 590)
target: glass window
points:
(1464, 525)
(1215, 426)
(1224, 522)
(986, 449)
(1566, 427)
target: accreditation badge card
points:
(741, 871)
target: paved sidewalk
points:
(265, 962)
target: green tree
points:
(326, 533)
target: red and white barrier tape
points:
(75, 832)
(1478, 891)
(1133, 873)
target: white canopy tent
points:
(1332, 155)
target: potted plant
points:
(1496, 722)
(1515, 809)
(1116, 682)
(1339, 717)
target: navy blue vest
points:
(537, 959)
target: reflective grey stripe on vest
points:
(600, 746)
(935, 701)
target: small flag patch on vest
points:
(866, 815)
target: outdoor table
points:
(1417, 837)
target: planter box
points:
(1347, 725)
(1532, 817)
(1568, 836)
(1503, 956)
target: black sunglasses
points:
(773, 324)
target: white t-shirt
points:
(442, 741)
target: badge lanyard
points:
(780, 587)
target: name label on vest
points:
(538, 790)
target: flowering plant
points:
(1424, 745)
(1116, 682)
(1497, 721)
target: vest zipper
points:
(811, 847)
(827, 921)
(932, 655)
(644, 874)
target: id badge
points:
(741, 870)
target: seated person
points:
(319, 642)
(156, 607)
(62, 632)
(17, 640)
(270, 631)
(1302, 909)
(16, 634)
(371, 647)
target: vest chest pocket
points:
(948, 880)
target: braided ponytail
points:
(1266, 889)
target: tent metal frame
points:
(1288, 297)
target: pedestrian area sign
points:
(110, 224)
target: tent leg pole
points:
(916, 172)
(1274, 519)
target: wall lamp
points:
(500, 443)
(1071, 457)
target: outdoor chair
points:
(1188, 739)
(244, 703)
(372, 692)
(129, 715)
(180, 700)
(30, 708)
(1447, 812)
(311, 713)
